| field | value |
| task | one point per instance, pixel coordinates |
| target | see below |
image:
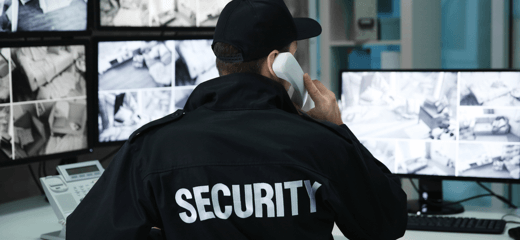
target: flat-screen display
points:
(43, 15)
(437, 123)
(43, 101)
(160, 13)
(87, 169)
(141, 81)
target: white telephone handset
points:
(286, 67)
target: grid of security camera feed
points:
(43, 101)
(141, 81)
(437, 123)
(43, 15)
(160, 13)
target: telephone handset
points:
(286, 67)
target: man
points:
(241, 162)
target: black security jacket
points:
(240, 163)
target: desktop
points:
(153, 14)
(437, 124)
(143, 80)
(43, 101)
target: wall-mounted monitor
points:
(159, 14)
(143, 80)
(43, 101)
(37, 17)
(445, 124)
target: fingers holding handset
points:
(326, 107)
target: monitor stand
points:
(430, 200)
(58, 235)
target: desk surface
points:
(470, 212)
(27, 219)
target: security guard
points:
(241, 161)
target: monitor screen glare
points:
(43, 100)
(463, 124)
(161, 13)
(141, 81)
(43, 15)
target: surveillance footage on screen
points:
(43, 15)
(195, 62)
(51, 72)
(437, 123)
(43, 106)
(181, 97)
(141, 81)
(136, 64)
(160, 13)
(5, 83)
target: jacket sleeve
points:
(369, 157)
(371, 203)
(119, 206)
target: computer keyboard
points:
(455, 224)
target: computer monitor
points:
(143, 80)
(43, 101)
(159, 14)
(43, 17)
(437, 124)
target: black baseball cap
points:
(257, 27)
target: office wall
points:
(516, 195)
(516, 34)
(466, 34)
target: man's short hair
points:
(223, 50)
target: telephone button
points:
(82, 175)
(74, 176)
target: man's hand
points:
(325, 101)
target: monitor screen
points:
(437, 123)
(43, 101)
(160, 13)
(141, 81)
(43, 16)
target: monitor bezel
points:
(95, 84)
(88, 78)
(12, 36)
(97, 13)
(434, 177)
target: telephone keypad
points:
(82, 190)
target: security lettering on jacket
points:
(251, 193)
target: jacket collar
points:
(240, 91)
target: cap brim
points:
(307, 28)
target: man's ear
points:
(270, 61)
